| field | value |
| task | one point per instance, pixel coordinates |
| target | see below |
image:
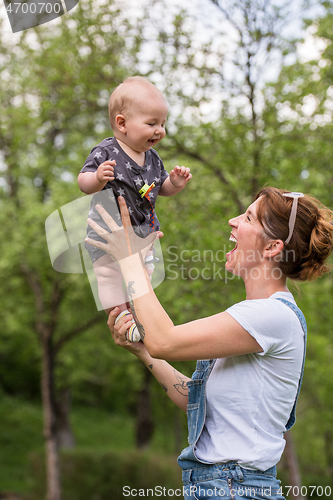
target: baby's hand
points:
(105, 171)
(179, 176)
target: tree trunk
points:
(50, 430)
(144, 423)
(329, 452)
(65, 434)
(294, 475)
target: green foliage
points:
(314, 485)
(95, 430)
(303, 105)
(20, 433)
(55, 109)
(52, 113)
(100, 436)
(194, 249)
(92, 475)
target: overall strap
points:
(301, 318)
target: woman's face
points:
(246, 259)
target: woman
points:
(242, 399)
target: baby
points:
(127, 164)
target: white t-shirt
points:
(250, 397)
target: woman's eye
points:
(248, 218)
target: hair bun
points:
(320, 246)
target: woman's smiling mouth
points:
(233, 239)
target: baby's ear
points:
(121, 123)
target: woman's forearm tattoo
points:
(130, 292)
(181, 387)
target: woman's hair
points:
(304, 257)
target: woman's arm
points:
(172, 381)
(217, 336)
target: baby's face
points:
(145, 123)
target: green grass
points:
(105, 445)
(101, 431)
(21, 433)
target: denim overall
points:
(225, 480)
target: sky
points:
(207, 21)
(207, 15)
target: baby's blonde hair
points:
(124, 96)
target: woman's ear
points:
(273, 248)
(120, 121)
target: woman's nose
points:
(233, 221)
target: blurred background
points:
(250, 90)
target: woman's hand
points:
(173, 382)
(122, 242)
(118, 332)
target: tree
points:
(54, 110)
(257, 139)
(52, 107)
(305, 114)
(229, 72)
